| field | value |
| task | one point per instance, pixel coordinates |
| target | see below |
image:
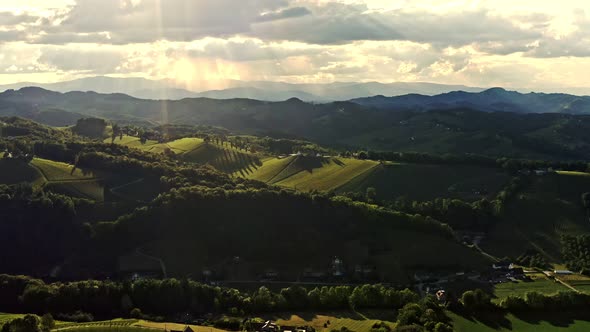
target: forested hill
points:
(491, 100)
(338, 124)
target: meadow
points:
(541, 285)
(221, 156)
(539, 322)
(306, 173)
(353, 321)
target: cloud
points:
(283, 14)
(175, 20)
(94, 61)
(337, 23)
(245, 50)
(10, 19)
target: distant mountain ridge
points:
(490, 100)
(260, 90)
(346, 124)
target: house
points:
(269, 327)
(186, 329)
(502, 266)
(441, 296)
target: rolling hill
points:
(221, 156)
(491, 100)
(548, 207)
(344, 125)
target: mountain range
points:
(260, 90)
(491, 100)
(454, 126)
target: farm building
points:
(562, 272)
(186, 329)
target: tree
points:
(442, 327)
(47, 322)
(371, 194)
(409, 314)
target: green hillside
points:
(318, 229)
(425, 182)
(14, 171)
(547, 208)
(307, 173)
(221, 156)
(533, 322)
(391, 180)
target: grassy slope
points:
(224, 158)
(426, 182)
(541, 285)
(221, 156)
(353, 321)
(548, 207)
(543, 322)
(311, 173)
(63, 178)
(4, 317)
(271, 167)
(332, 174)
(58, 171)
(16, 171)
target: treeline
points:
(460, 214)
(38, 229)
(480, 301)
(576, 252)
(167, 297)
(239, 221)
(511, 165)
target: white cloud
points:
(528, 44)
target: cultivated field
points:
(221, 156)
(545, 322)
(311, 173)
(58, 171)
(541, 285)
(353, 321)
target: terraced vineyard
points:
(58, 171)
(221, 156)
(4, 317)
(311, 173)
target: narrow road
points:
(162, 265)
(567, 285)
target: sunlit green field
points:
(353, 321)
(541, 285)
(58, 171)
(540, 322)
(311, 173)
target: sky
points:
(539, 45)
